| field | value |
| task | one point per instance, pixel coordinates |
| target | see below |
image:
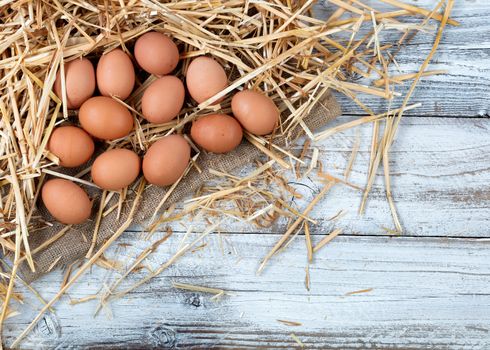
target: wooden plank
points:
(464, 52)
(440, 171)
(464, 91)
(418, 293)
(472, 14)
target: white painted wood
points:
(464, 52)
(440, 172)
(425, 293)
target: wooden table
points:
(428, 288)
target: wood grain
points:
(464, 52)
(426, 292)
(422, 292)
(440, 171)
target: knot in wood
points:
(194, 300)
(162, 337)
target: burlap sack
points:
(71, 246)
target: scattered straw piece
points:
(398, 79)
(327, 239)
(296, 339)
(307, 278)
(309, 247)
(82, 300)
(290, 323)
(97, 225)
(359, 291)
(353, 155)
(53, 264)
(216, 291)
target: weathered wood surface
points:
(430, 287)
(440, 169)
(426, 293)
(464, 52)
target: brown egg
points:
(218, 133)
(115, 169)
(72, 145)
(66, 201)
(115, 74)
(79, 82)
(205, 78)
(166, 160)
(256, 112)
(105, 118)
(156, 53)
(163, 99)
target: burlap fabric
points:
(71, 246)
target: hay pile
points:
(277, 46)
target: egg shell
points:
(163, 99)
(256, 112)
(217, 133)
(67, 202)
(205, 78)
(156, 53)
(115, 74)
(72, 145)
(105, 118)
(79, 82)
(115, 169)
(166, 160)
